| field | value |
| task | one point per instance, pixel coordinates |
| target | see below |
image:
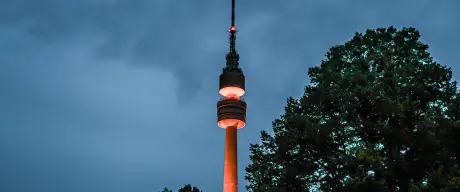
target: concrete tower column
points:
(231, 160)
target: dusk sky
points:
(120, 95)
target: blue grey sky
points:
(120, 95)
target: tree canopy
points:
(379, 115)
(186, 188)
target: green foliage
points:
(189, 188)
(379, 115)
(186, 188)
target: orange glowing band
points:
(230, 122)
(231, 90)
(232, 96)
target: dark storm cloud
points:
(107, 95)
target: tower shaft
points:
(231, 160)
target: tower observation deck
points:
(231, 110)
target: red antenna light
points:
(233, 29)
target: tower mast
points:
(232, 55)
(233, 13)
(231, 110)
(233, 31)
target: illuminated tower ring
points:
(231, 110)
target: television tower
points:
(231, 110)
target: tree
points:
(378, 115)
(189, 188)
(186, 188)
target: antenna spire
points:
(232, 56)
(233, 13)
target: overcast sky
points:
(120, 95)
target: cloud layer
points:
(118, 95)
